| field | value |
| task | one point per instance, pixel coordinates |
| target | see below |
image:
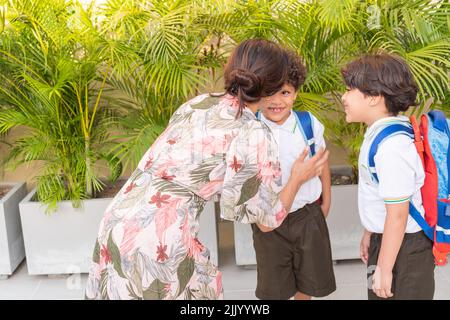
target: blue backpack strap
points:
(415, 214)
(439, 120)
(389, 131)
(304, 121)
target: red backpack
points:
(432, 141)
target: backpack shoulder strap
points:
(388, 131)
(439, 121)
(304, 122)
(305, 125)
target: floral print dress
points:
(147, 245)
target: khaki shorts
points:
(413, 272)
(296, 256)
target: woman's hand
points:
(303, 171)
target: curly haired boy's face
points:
(357, 106)
(277, 107)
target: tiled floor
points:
(238, 282)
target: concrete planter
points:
(343, 224)
(63, 242)
(12, 250)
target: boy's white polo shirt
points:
(290, 145)
(400, 174)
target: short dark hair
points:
(297, 70)
(383, 74)
(256, 68)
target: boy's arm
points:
(325, 177)
(394, 232)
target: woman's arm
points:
(301, 172)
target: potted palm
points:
(69, 87)
(54, 91)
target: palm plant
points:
(162, 53)
(54, 89)
(328, 34)
(81, 82)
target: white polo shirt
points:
(290, 145)
(400, 174)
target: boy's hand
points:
(382, 283)
(325, 206)
(364, 246)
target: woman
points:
(147, 246)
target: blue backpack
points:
(304, 122)
(432, 141)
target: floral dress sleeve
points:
(252, 181)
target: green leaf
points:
(115, 256)
(132, 293)
(206, 103)
(156, 291)
(96, 255)
(184, 272)
(249, 189)
(104, 284)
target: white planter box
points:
(63, 242)
(11, 240)
(343, 224)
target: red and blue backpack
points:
(432, 141)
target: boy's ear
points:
(375, 100)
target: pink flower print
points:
(166, 216)
(149, 162)
(173, 140)
(164, 169)
(161, 252)
(218, 283)
(129, 236)
(236, 165)
(130, 187)
(267, 172)
(195, 247)
(280, 215)
(231, 100)
(209, 146)
(164, 175)
(105, 256)
(210, 188)
(228, 138)
(159, 199)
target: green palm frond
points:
(338, 15)
(139, 134)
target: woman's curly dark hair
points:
(256, 68)
(297, 70)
